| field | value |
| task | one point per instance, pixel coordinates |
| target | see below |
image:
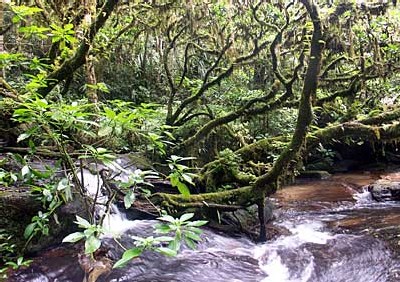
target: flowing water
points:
(331, 230)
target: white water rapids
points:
(310, 251)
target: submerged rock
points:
(385, 190)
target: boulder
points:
(18, 206)
(385, 190)
(246, 220)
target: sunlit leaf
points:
(186, 216)
(167, 251)
(128, 256)
(73, 237)
(92, 243)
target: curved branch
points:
(332, 64)
(352, 89)
(9, 92)
(305, 108)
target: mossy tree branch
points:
(267, 183)
(78, 59)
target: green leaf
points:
(68, 26)
(63, 184)
(104, 131)
(175, 158)
(29, 230)
(13, 177)
(127, 256)
(187, 158)
(23, 136)
(175, 244)
(101, 150)
(174, 178)
(187, 178)
(164, 239)
(190, 243)
(166, 251)
(183, 189)
(83, 223)
(192, 236)
(25, 170)
(197, 223)
(73, 237)
(186, 217)
(129, 199)
(162, 228)
(167, 218)
(92, 244)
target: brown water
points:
(335, 232)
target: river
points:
(331, 231)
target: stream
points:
(331, 230)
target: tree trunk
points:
(91, 81)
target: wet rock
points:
(385, 190)
(246, 220)
(18, 206)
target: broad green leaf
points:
(162, 228)
(175, 158)
(101, 150)
(13, 177)
(89, 232)
(109, 113)
(167, 251)
(129, 199)
(73, 237)
(23, 136)
(192, 236)
(25, 170)
(186, 217)
(68, 26)
(167, 218)
(127, 256)
(187, 178)
(63, 184)
(183, 189)
(175, 244)
(92, 244)
(190, 243)
(29, 230)
(83, 223)
(197, 223)
(174, 178)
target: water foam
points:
(269, 254)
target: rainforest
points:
(199, 140)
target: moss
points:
(140, 161)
